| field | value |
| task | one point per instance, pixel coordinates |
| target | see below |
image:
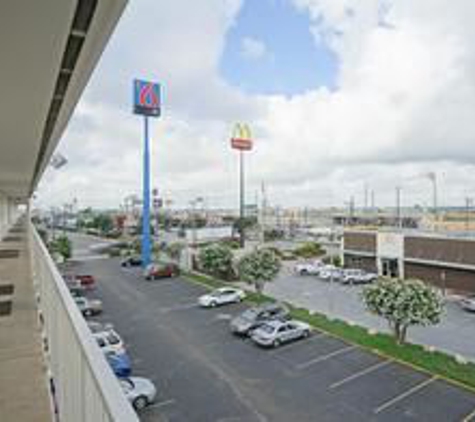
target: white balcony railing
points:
(86, 388)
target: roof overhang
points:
(49, 49)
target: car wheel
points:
(276, 343)
(140, 403)
(306, 333)
(213, 304)
(303, 272)
(87, 312)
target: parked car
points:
(468, 303)
(77, 291)
(221, 296)
(109, 341)
(330, 272)
(308, 268)
(357, 276)
(274, 333)
(139, 391)
(99, 327)
(88, 307)
(131, 261)
(252, 318)
(86, 280)
(155, 271)
(119, 362)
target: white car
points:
(357, 276)
(221, 296)
(308, 268)
(109, 341)
(468, 303)
(276, 332)
(139, 391)
(330, 272)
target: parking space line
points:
(182, 307)
(325, 357)
(359, 374)
(469, 417)
(407, 393)
(161, 404)
(296, 343)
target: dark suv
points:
(252, 318)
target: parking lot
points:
(454, 334)
(204, 373)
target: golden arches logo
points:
(242, 131)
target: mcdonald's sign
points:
(241, 138)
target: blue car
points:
(120, 363)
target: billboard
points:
(146, 98)
(241, 138)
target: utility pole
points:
(263, 212)
(365, 197)
(373, 204)
(468, 204)
(398, 207)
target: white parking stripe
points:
(292, 345)
(356, 375)
(407, 393)
(325, 357)
(161, 404)
(182, 307)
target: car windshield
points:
(250, 314)
(269, 329)
(113, 339)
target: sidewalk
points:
(24, 389)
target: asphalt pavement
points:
(203, 373)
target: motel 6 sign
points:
(147, 98)
(241, 138)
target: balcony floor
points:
(24, 389)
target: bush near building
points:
(404, 303)
(62, 246)
(309, 250)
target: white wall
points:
(8, 214)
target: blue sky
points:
(292, 63)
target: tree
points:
(309, 250)
(404, 303)
(174, 250)
(259, 267)
(217, 260)
(62, 245)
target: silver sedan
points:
(139, 391)
(274, 333)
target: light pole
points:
(241, 140)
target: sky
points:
(340, 95)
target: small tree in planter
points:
(216, 259)
(62, 246)
(259, 267)
(404, 303)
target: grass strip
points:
(437, 363)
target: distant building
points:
(443, 260)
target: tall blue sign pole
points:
(146, 103)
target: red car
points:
(154, 271)
(86, 280)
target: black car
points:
(132, 261)
(252, 318)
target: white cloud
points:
(404, 106)
(253, 48)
